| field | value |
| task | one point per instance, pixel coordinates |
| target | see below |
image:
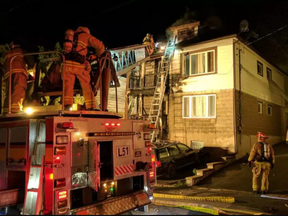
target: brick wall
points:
(217, 132)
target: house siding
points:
(254, 89)
(214, 132)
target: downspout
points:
(239, 100)
(234, 96)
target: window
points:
(183, 148)
(269, 110)
(260, 68)
(200, 63)
(269, 73)
(260, 107)
(173, 150)
(200, 106)
(185, 33)
(163, 153)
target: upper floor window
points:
(199, 106)
(200, 62)
(269, 73)
(260, 68)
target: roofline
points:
(197, 23)
(261, 55)
(241, 40)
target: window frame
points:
(270, 74)
(170, 152)
(260, 64)
(183, 68)
(190, 106)
(260, 103)
(271, 108)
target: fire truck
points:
(60, 162)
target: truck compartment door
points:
(94, 165)
(123, 158)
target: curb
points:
(196, 198)
(191, 206)
(270, 195)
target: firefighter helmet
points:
(85, 29)
(13, 45)
(262, 135)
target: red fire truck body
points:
(74, 162)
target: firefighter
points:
(262, 156)
(77, 66)
(19, 77)
(150, 41)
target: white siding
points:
(223, 79)
(254, 84)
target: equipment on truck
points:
(74, 162)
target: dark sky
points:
(44, 22)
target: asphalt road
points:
(163, 210)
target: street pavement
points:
(236, 181)
(164, 210)
(249, 202)
(238, 176)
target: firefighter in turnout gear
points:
(150, 41)
(75, 49)
(19, 77)
(262, 156)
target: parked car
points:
(171, 156)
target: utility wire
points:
(15, 7)
(267, 35)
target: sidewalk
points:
(245, 203)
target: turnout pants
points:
(261, 168)
(18, 91)
(82, 74)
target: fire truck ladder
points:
(34, 191)
(156, 106)
(127, 58)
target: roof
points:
(216, 36)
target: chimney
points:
(186, 31)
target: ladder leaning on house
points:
(156, 106)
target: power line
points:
(15, 7)
(268, 34)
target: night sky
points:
(118, 23)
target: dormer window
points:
(185, 33)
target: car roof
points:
(164, 144)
